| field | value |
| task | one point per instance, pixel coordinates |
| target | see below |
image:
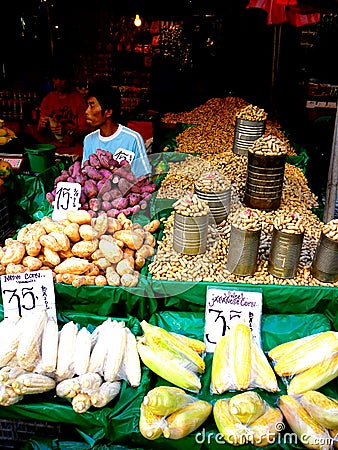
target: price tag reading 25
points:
(225, 307)
(28, 291)
(67, 198)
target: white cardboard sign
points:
(67, 198)
(225, 307)
(26, 292)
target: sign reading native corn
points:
(226, 307)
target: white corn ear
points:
(100, 347)
(83, 345)
(49, 345)
(10, 336)
(117, 338)
(105, 393)
(29, 347)
(131, 363)
(65, 358)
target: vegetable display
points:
(107, 185)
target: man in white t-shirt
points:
(103, 114)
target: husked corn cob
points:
(310, 433)
(8, 374)
(314, 350)
(68, 388)
(105, 393)
(239, 351)
(28, 351)
(49, 345)
(81, 403)
(32, 383)
(264, 430)
(247, 406)
(157, 336)
(287, 348)
(232, 430)
(220, 376)
(8, 397)
(187, 419)
(131, 362)
(262, 374)
(83, 346)
(117, 338)
(150, 424)
(322, 408)
(100, 348)
(89, 382)
(164, 400)
(9, 338)
(161, 362)
(65, 358)
(315, 377)
(194, 344)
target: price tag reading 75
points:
(28, 291)
(67, 198)
(225, 307)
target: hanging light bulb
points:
(137, 21)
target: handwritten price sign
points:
(67, 198)
(225, 307)
(28, 291)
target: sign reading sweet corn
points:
(225, 307)
(24, 293)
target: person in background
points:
(103, 115)
(62, 112)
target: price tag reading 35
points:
(225, 307)
(67, 198)
(28, 291)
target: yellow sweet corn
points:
(287, 347)
(262, 374)
(28, 351)
(315, 377)
(164, 400)
(310, 433)
(187, 419)
(157, 336)
(150, 424)
(194, 344)
(163, 364)
(105, 393)
(322, 408)
(131, 362)
(264, 430)
(49, 345)
(247, 406)
(307, 353)
(81, 403)
(232, 430)
(220, 376)
(239, 351)
(32, 383)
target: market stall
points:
(292, 308)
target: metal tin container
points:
(284, 253)
(325, 262)
(219, 203)
(243, 251)
(190, 234)
(264, 182)
(246, 133)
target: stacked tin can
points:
(250, 126)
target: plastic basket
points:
(15, 433)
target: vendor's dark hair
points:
(108, 96)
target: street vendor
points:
(103, 115)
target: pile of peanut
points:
(191, 206)
(212, 181)
(246, 219)
(291, 223)
(253, 113)
(268, 145)
(330, 229)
